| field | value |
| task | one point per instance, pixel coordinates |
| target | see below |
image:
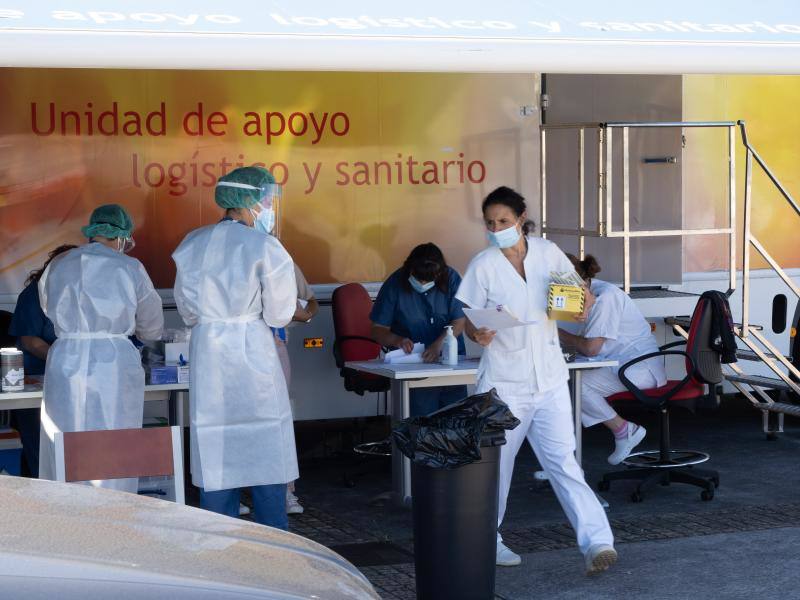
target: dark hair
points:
(426, 263)
(513, 200)
(586, 268)
(36, 275)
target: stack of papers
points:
(398, 357)
(566, 278)
(494, 318)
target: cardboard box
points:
(564, 302)
(164, 374)
(173, 352)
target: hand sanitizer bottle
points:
(450, 348)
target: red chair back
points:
(351, 306)
(708, 368)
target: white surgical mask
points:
(263, 221)
(419, 286)
(504, 238)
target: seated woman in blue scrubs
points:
(35, 334)
(415, 304)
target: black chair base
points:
(664, 475)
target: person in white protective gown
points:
(614, 330)
(96, 297)
(526, 366)
(234, 282)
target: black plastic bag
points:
(452, 436)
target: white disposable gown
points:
(232, 284)
(96, 298)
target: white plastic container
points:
(450, 348)
(12, 370)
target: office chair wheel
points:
(637, 497)
(707, 495)
(772, 436)
(603, 485)
(715, 480)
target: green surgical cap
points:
(111, 221)
(253, 181)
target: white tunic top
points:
(627, 334)
(522, 359)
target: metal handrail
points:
(766, 169)
(604, 227)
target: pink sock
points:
(622, 431)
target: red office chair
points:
(351, 306)
(666, 465)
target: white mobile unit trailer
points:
(562, 93)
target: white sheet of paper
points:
(399, 356)
(494, 318)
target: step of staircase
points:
(783, 407)
(772, 383)
(750, 355)
(685, 322)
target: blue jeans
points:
(427, 400)
(269, 503)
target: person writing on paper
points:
(415, 304)
(233, 283)
(527, 368)
(96, 297)
(614, 330)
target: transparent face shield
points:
(266, 211)
(125, 245)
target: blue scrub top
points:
(419, 317)
(29, 319)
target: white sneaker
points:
(541, 476)
(625, 445)
(507, 558)
(293, 506)
(243, 509)
(599, 558)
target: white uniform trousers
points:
(598, 384)
(546, 420)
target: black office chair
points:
(666, 465)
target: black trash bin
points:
(455, 469)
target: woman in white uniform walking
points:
(614, 330)
(233, 283)
(526, 366)
(96, 298)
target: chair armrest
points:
(672, 345)
(655, 402)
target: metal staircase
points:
(754, 345)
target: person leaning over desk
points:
(234, 282)
(527, 368)
(615, 330)
(97, 297)
(415, 304)
(35, 334)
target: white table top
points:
(466, 366)
(34, 390)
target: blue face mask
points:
(504, 238)
(264, 221)
(420, 287)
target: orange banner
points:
(372, 164)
